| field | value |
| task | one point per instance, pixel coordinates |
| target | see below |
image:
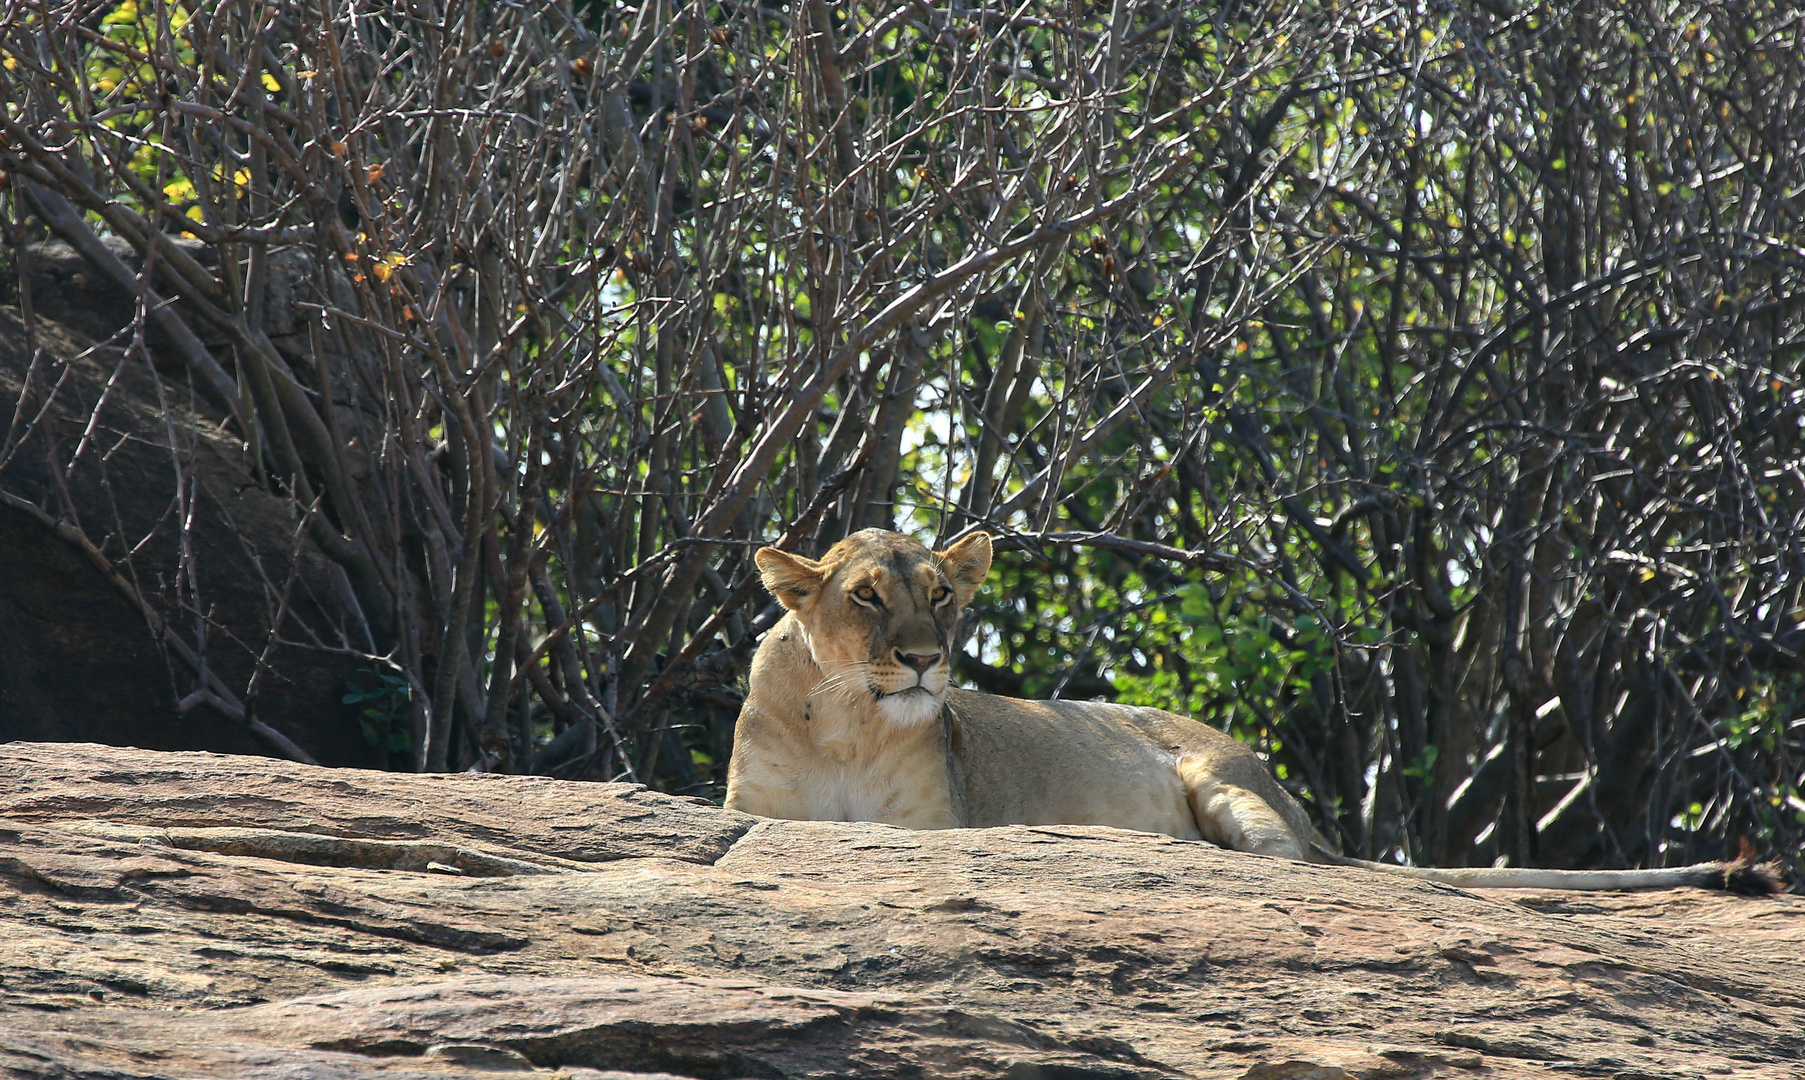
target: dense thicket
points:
(1413, 390)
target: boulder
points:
(200, 915)
(79, 661)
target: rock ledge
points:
(198, 915)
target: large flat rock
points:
(529, 814)
(193, 915)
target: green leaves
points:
(1235, 664)
(1196, 609)
(1423, 768)
(387, 715)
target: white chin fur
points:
(908, 710)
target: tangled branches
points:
(1413, 392)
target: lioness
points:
(850, 717)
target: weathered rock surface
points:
(78, 661)
(193, 915)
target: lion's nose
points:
(921, 662)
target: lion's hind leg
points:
(1234, 817)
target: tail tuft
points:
(1746, 877)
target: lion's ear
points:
(790, 578)
(966, 563)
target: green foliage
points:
(1445, 365)
(1226, 658)
(386, 718)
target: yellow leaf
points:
(270, 83)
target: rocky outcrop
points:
(194, 915)
(89, 446)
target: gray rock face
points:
(197, 915)
(78, 661)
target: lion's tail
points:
(1741, 875)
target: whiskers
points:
(858, 683)
(859, 680)
(848, 679)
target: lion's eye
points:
(865, 594)
(942, 595)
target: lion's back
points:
(1074, 763)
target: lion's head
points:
(878, 612)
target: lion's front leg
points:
(923, 814)
(766, 789)
(767, 800)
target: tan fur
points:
(847, 719)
